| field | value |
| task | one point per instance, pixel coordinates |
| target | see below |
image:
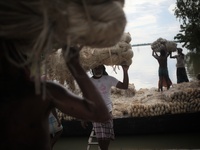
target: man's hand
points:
(71, 54)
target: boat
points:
(168, 123)
(150, 112)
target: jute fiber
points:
(119, 54)
(38, 27)
(160, 43)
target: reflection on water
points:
(144, 69)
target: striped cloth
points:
(53, 125)
(104, 130)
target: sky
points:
(148, 20)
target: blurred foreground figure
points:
(33, 29)
(24, 115)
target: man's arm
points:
(92, 106)
(125, 83)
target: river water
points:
(143, 73)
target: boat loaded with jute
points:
(148, 111)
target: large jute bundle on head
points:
(119, 54)
(160, 43)
(92, 24)
(96, 24)
(38, 26)
(89, 58)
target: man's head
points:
(179, 50)
(99, 71)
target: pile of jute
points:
(181, 98)
(39, 27)
(119, 54)
(161, 43)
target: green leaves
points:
(188, 13)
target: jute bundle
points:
(38, 26)
(130, 92)
(119, 54)
(91, 25)
(57, 70)
(89, 58)
(160, 43)
(98, 24)
(182, 98)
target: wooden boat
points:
(168, 123)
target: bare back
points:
(162, 60)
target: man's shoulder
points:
(107, 76)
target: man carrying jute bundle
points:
(24, 115)
(30, 29)
(103, 82)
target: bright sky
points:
(147, 20)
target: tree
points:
(188, 13)
(192, 64)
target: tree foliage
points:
(188, 13)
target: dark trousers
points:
(181, 75)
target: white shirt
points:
(104, 85)
(53, 124)
(180, 61)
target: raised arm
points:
(92, 106)
(168, 53)
(154, 54)
(125, 83)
